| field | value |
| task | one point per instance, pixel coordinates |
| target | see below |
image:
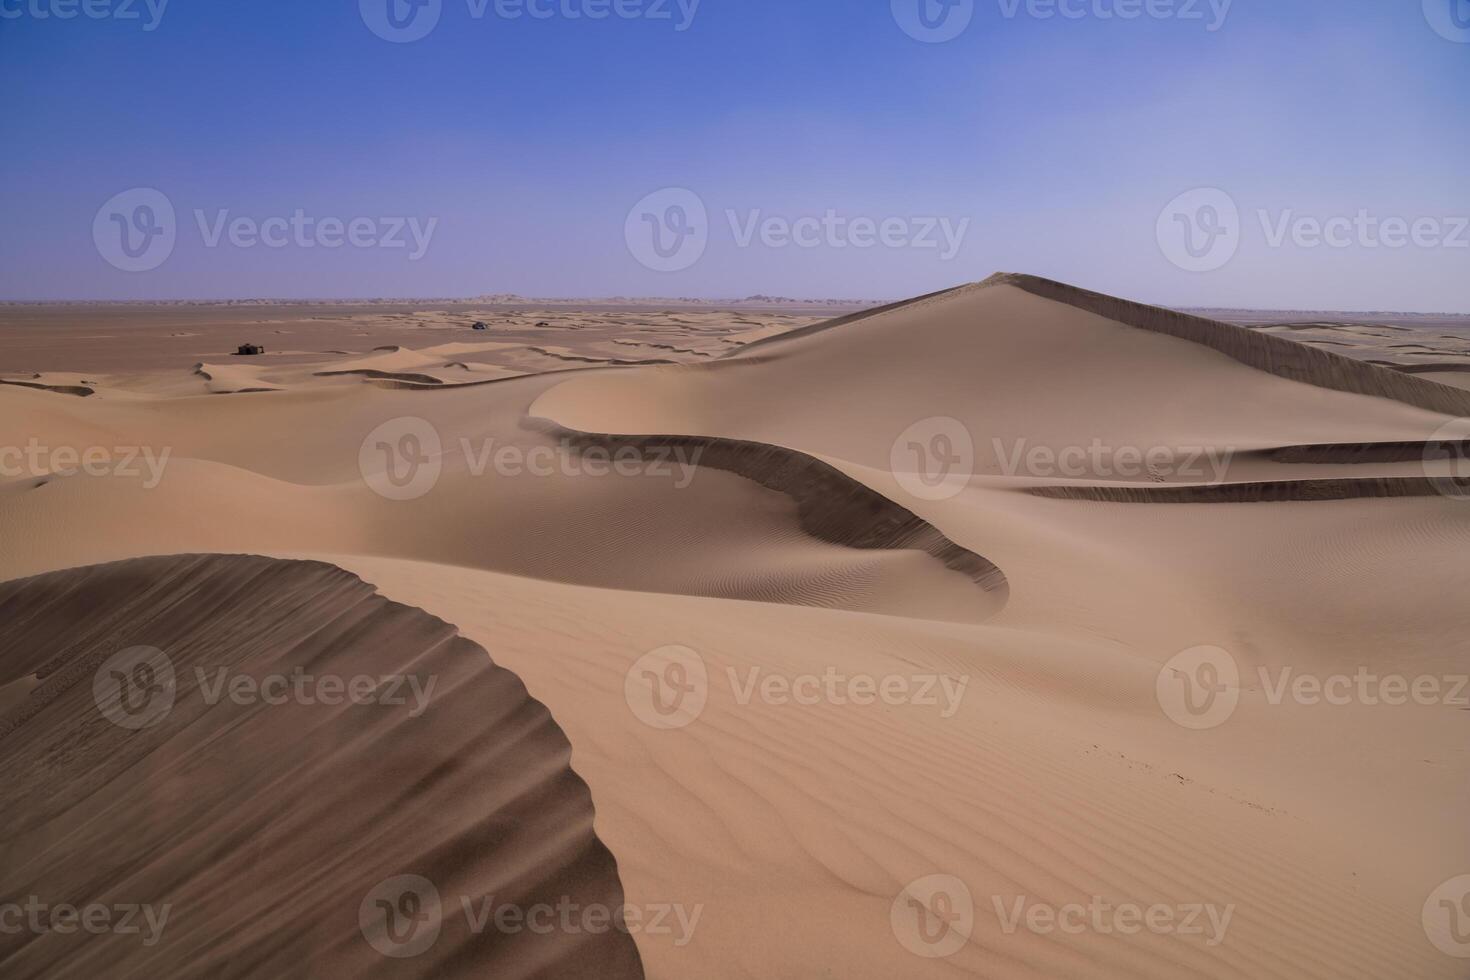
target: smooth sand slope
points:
(805, 541)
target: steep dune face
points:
(1266, 352)
(830, 506)
(271, 770)
(1009, 365)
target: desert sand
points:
(774, 517)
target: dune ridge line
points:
(831, 506)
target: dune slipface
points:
(236, 830)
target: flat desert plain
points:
(1009, 631)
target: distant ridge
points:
(1265, 352)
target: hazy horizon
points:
(504, 298)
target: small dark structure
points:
(543, 323)
(480, 325)
(249, 350)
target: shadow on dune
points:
(259, 752)
(1251, 493)
(831, 506)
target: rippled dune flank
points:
(148, 766)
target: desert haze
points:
(1010, 631)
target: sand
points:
(771, 527)
(241, 827)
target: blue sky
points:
(518, 147)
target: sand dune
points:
(798, 532)
(259, 836)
